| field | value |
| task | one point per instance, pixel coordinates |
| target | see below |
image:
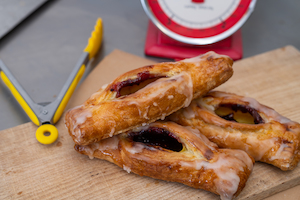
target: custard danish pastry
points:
(237, 122)
(145, 95)
(171, 152)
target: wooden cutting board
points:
(29, 170)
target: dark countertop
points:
(42, 51)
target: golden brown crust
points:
(274, 140)
(107, 112)
(199, 163)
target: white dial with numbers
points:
(198, 21)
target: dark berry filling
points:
(158, 138)
(239, 113)
(130, 86)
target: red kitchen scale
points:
(181, 29)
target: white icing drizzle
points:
(195, 60)
(80, 118)
(170, 97)
(226, 168)
(137, 147)
(198, 59)
(188, 90)
(280, 152)
(138, 105)
(136, 150)
(140, 128)
(104, 86)
(145, 115)
(188, 112)
(203, 102)
(112, 123)
(112, 132)
(222, 94)
(89, 151)
(126, 168)
(202, 137)
(163, 116)
(106, 144)
(143, 111)
(287, 165)
(243, 156)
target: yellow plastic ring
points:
(46, 128)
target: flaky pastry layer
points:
(198, 162)
(169, 86)
(273, 139)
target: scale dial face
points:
(198, 22)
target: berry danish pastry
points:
(145, 95)
(237, 122)
(168, 151)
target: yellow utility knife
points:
(45, 116)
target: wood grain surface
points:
(29, 170)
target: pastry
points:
(144, 95)
(237, 122)
(168, 151)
